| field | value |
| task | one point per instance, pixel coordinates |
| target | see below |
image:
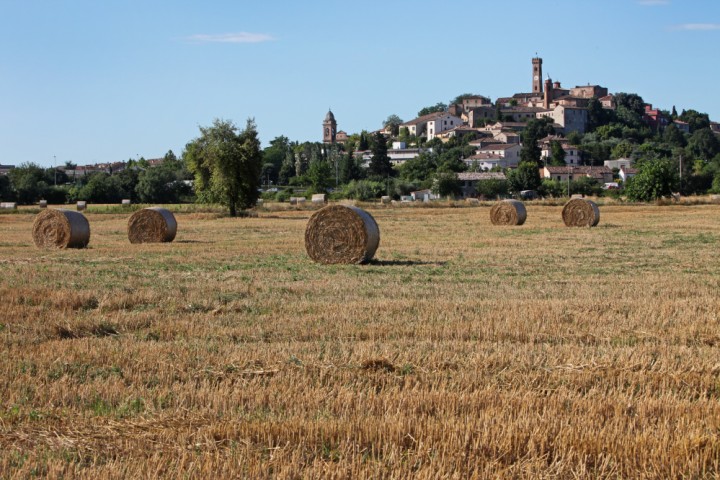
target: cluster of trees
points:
(138, 181)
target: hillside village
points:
(582, 139)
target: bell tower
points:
(537, 75)
(329, 128)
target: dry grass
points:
(461, 351)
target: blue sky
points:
(107, 80)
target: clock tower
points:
(537, 75)
(329, 128)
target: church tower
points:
(537, 75)
(329, 128)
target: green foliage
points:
(695, 119)
(446, 184)
(492, 188)
(525, 177)
(320, 176)
(557, 154)
(534, 131)
(393, 122)
(630, 101)
(226, 164)
(704, 144)
(655, 179)
(553, 188)
(29, 183)
(585, 186)
(364, 190)
(276, 155)
(6, 191)
(459, 99)
(673, 136)
(380, 165)
(350, 168)
(622, 150)
(156, 185)
(438, 107)
(420, 167)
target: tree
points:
(533, 132)
(459, 99)
(696, 119)
(419, 168)
(704, 144)
(557, 154)
(438, 107)
(320, 176)
(29, 182)
(673, 136)
(631, 101)
(655, 179)
(226, 164)
(525, 177)
(597, 115)
(350, 168)
(393, 123)
(380, 165)
(446, 184)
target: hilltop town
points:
(552, 140)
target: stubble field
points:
(463, 351)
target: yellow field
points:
(464, 350)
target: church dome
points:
(329, 117)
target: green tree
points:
(655, 179)
(226, 164)
(597, 115)
(525, 177)
(438, 107)
(446, 184)
(320, 176)
(695, 119)
(380, 165)
(622, 150)
(350, 168)
(704, 144)
(419, 168)
(6, 191)
(674, 137)
(29, 182)
(393, 123)
(459, 99)
(533, 132)
(557, 154)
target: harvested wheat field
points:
(459, 351)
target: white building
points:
(572, 154)
(571, 119)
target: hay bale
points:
(125, 202)
(297, 200)
(508, 212)
(472, 201)
(259, 202)
(385, 199)
(8, 205)
(580, 212)
(43, 203)
(61, 229)
(81, 206)
(319, 198)
(152, 225)
(341, 234)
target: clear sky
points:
(106, 80)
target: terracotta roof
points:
(630, 170)
(470, 176)
(498, 146)
(425, 118)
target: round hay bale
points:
(580, 212)
(152, 225)
(61, 229)
(508, 212)
(341, 234)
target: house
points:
(589, 91)
(478, 115)
(627, 172)
(570, 119)
(5, 169)
(601, 174)
(498, 127)
(654, 118)
(684, 127)
(469, 181)
(475, 101)
(619, 163)
(608, 101)
(715, 127)
(459, 132)
(431, 124)
(521, 114)
(496, 155)
(423, 195)
(507, 137)
(398, 156)
(572, 152)
(341, 137)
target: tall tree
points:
(438, 107)
(380, 163)
(557, 154)
(226, 164)
(533, 132)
